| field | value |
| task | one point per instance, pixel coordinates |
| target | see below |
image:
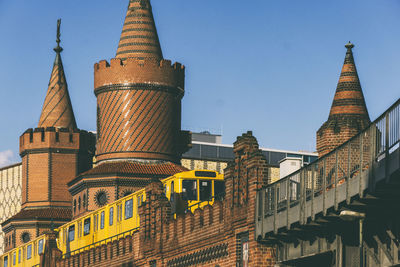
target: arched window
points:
(84, 200)
(79, 203)
(74, 205)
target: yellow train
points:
(27, 255)
(186, 191)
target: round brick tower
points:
(348, 114)
(139, 96)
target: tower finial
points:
(58, 49)
(349, 45)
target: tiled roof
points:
(348, 107)
(135, 168)
(57, 109)
(47, 213)
(139, 38)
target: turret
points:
(139, 96)
(348, 114)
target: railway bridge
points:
(341, 210)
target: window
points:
(71, 233)
(111, 217)
(86, 226)
(139, 201)
(40, 248)
(26, 237)
(119, 212)
(219, 188)
(74, 205)
(205, 190)
(79, 203)
(14, 258)
(95, 222)
(19, 256)
(80, 229)
(128, 209)
(102, 220)
(29, 252)
(172, 199)
(189, 189)
(6, 261)
(84, 200)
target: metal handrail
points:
(98, 243)
(377, 139)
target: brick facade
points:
(213, 236)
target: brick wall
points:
(214, 235)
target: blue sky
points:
(267, 66)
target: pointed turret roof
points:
(57, 109)
(349, 98)
(139, 38)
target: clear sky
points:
(261, 65)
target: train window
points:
(189, 189)
(95, 222)
(205, 190)
(219, 188)
(19, 256)
(205, 174)
(139, 201)
(40, 248)
(111, 217)
(71, 233)
(29, 252)
(6, 261)
(79, 229)
(86, 226)
(172, 193)
(14, 258)
(128, 209)
(102, 220)
(119, 212)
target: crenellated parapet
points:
(39, 139)
(136, 72)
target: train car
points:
(26, 255)
(193, 189)
(113, 220)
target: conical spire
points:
(139, 38)
(57, 109)
(349, 98)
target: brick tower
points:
(139, 96)
(52, 154)
(349, 114)
(139, 135)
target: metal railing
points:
(335, 169)
(99, 243)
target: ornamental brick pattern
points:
(10, 197)
(139, 96)
(216, 235)
(139, 37)
(348, 114)
(57, 109)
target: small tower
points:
(349, 114)
(52, 155)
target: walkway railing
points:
(337, 170)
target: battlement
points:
(138, 71)
(59, 138)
